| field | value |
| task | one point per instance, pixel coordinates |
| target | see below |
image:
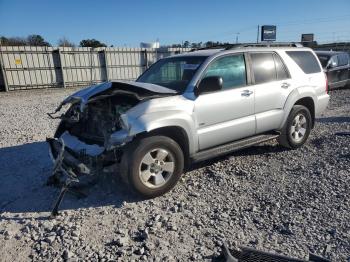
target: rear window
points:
(306, 61)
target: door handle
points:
(246, 93)
(285, 85)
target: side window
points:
(324, 59)
(281, 69)
(347, 58)
(231, 69)
(343, 59)
(334, 61)
(306, 61)
(263, 67)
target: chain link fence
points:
(30, 67)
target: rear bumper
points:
(321, 105)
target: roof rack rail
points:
(227, 46)
(268, 44)
(234, 46)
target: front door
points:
(333, 73)
(225, 115)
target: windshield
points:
(174, 73)
(324, 60)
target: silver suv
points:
(188, 108)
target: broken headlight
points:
(123, 121)
(73, 114)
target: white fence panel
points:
(28, 67)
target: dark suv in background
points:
(337, 67)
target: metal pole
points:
(106, 64)
(91, 65)
(146, 59)
(62, 69)
(2, 65)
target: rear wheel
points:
(297, 128)
(152, 165)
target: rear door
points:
(272, 87)
(343, 64)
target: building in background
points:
(150, 45)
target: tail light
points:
(325, 75)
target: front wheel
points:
(152, 165)
(297, 128)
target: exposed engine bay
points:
(99, 119)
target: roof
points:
(322, 52)
(204, 52)
(211, 52)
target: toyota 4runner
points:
(188, 108)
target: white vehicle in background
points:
(188, 108)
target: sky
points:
(129, 22)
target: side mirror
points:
(209, 84)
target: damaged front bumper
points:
(67, 160)
(81, 158)
(69, 166)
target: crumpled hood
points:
(141, 91)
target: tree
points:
(186, 44)
(91, 43)
(36, 40)
(196, 45)
(32, 40)
(65, 42)
(13, 41)
(209, 44)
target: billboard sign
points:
(307, 37)
(268, 33)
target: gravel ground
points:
(265, 197)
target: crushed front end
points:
(85, 135)
(93, 130)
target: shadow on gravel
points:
(334, 119)
(250, 151)
(23, 175)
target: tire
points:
(151, 166)
(297, 128)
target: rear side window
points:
(306, 61)
(281, 69)
(263, 66)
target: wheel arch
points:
(305, 96)
(177, 133)
(309, 103)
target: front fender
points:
(156, 120)
(294, 96)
